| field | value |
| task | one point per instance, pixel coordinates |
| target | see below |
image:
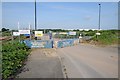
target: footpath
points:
(42, 63)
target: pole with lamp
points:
(99, 21)
(30, 30)
(35, 20)
(99, 15)
(18, 31)
(35, 17)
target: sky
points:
(60, 15)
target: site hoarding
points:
(63, 33)
(24, 31)
(71, 33)
(38, 33)
(39, 43)
(16, 33)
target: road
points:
(86, 61)
(42, 63)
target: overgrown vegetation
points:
(107, 37)
(6, 33)
(13, 56)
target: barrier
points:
(76, 41)
(67, 42)
(49, 43)
(39, 43)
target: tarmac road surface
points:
(86, 61)
(42, 63)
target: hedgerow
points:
(13, 56)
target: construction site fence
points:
(67, 42)
(39, 43)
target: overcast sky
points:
(64, 15)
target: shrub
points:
(13, 55)
(107, 37)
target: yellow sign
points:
(38, 33)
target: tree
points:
(4, 29)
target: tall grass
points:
(107, 37)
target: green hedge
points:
(13, 55)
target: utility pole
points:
(35, 19)
(44, 31)
(99, 15)
(30, 30)
(18, 30)
(12, 35)
(97, 34)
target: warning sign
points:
(38, 33)
(16, 33)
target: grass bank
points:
(107, 37)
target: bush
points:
(107, 37)
(13, 55)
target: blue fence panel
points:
(28, 43)
(39, 43)
(65, 43)
(59, 44)
(49, 44)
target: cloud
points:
(116, 14)
(62, 7)
(88, 18)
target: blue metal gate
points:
(65, 43)
(39, 43)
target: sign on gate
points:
(24, 31)
(16, 33)
(38, 33)
(39, 43)
(67, 42)
(72, 33)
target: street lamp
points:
(97, 34)
(35, 19)
(99, 15)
